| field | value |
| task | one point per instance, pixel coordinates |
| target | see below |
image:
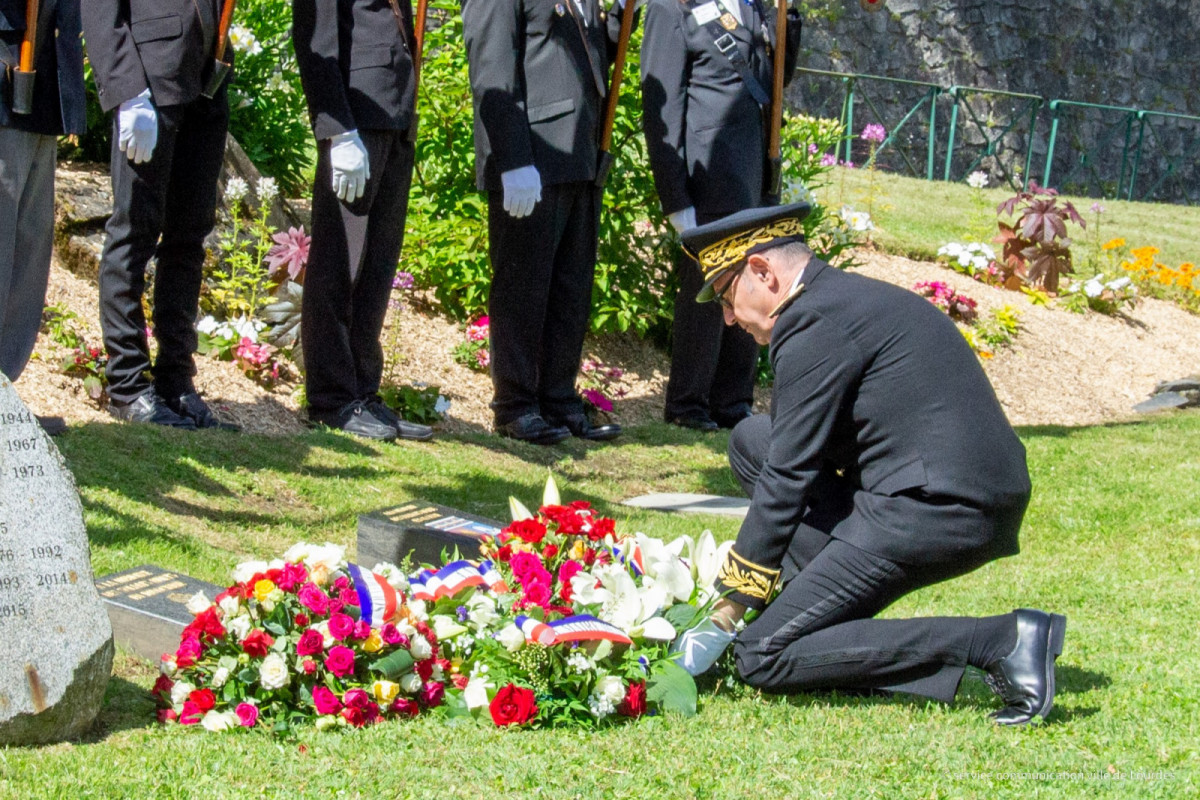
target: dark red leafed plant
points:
(1036, 248)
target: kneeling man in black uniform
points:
(885, 465)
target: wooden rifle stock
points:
(419, 50)
(32, 8)
(23, 75)
(774, 177)
(223, 29)
(614, 93)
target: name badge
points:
(706, 13)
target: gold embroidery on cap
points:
(727, 252)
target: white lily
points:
(550, 496)
(518, 510)
(672, 577)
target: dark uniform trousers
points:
(818, 633)
(162, 208)
(543, 266)
(351, 265)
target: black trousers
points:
(818, 633)
(162, 209)
(543, 266)
(351, 265)
(712, 364)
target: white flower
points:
(579, 662)
(977, 179)
(321, 560)
(267, 190)
(220, 677)
(658, 629)
(219, 721)
(481, 612)
(273, 673)
(207, 325)
(585, 591)
(512, 638)
(420, 648)
(951, 249)
(475, 693)
(624, 603)
(416, 609)
(240, 626)
(276, 83)
(445, 626)
(1118, 283)
(857, 221)
(442, 405)
(611, 688)
(411, 683)
(180, 692)
(168, 666)
(243, 39)
(392, 574)
(1093, 288)
(198, 603)
(673, 577)
(229, 606)
(235, 190)
(247, 570)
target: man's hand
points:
(683, 220)
(137, 128)
(701, 647)
(349, 166)
(522, 190)
(727, 614)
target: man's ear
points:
(761, 271)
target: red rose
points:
(274, 575)
(166, 715)
(341, 626)
(311, 642)
(432, 694)
(589, 557)
(207, 624)
(325, 701)
(162, 689)
(403, 706)
(601, 528)
(340, 661)
(634, 704)
(302, 620)
(309, 666)
(247, 714)
(513, 705)
(549, 551)
(257, 643)
(527, 530)
(459, 680)
(204, 699)
(355, 716)
(189, 650)
(424, 669)
(190, 714)
(356, 698)
(504, 553)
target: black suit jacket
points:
(876, 382)
(355, 64)
(539, 77)
(166, 45)
(59, 104)
(704, 129)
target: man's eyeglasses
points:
(720, 297)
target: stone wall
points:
(1134, 53)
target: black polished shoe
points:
(53, 426)
(149, 407)
(696, 422)
(404, 429)
(581, 427)
(731, 420)
(532, 428)
(356, 419)
(192, 406)
(1024, 678)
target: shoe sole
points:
(425, 438)
(1054, 648)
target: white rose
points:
(247, 570)
(417, 609)
(392, 574)
(411, 683)
(219, 721)
(198, 603)
(475, 693)
(229, 606)
(406, 629)
(420, 648)
(180, 692)
(168, 666)
(512, 638)
(239, 626)
(273, 674)
(481, 610)
(610, 688)
(219, 677)
(323, 629)
(297, 553)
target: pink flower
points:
(325, 701)
(341, 626)
(311, 642)
(404, 706)
(340, 661)
(309, 666)
(477, 331)
(432, 694)
(247, 714)
(537, 593)
(362, 629)
(829, 160)
(290, 250)
(403, 280)
(874, 133)
(313, 598)
(597, 399)
(524, 565)
(390, 634)
(483, 358)
(291, 576)
(190, 714)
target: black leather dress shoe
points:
(695, 422)
(581, 427)
(404, 429)
(731, 420)
(532, 428)
(356, 419)
(1024, 678)
(149, 407)
(192, 406)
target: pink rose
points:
(356, 698)
(390, 634)
(247, 714)
(166, 715)
(340, 661)
(537, 593)
(313, 598)
(432, 694)
(190, 714)
(336, 606)
(349, 597)
(311, 642)
(403, 706)
(341, 626)
(189, 650)
(362, 629)
(291, 576)
(341, 583)
(325, 701)
(309, 666)
(524, 564)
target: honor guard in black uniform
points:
(885, 465)
(706, 81)
(153, 61)
(356, 66)
(37, 104)
(539, 76)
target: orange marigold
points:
(1113, 244)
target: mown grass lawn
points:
(1112, 539)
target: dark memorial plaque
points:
(148, 607)
(421, 531)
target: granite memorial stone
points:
(148, 607)
(58, 646)
(420, 531)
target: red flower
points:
(326, 701)
(309, 666)
(589, 557)
(549, 551)
(634, 704)
(341, 626)
(340, 661)
(189, 650)
(513, 705)
(504, 553)
(313, 598)
(207, 624)
(166, 715)
(311, 642)
(537, 593)
(601, 528)
(204, 699)
(291, 576)
(162, 689)
(190, 714)
(432, 694)
(302, 620)
(459, 680)
(257, 643)
(403, 705)
(424, 669)
(359, 710)
(528, 530)
(247, 714)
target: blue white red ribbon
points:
(454, 577)
(378, 600)
(579, 628)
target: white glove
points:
(701, 647)
(137, 127)
(522, 190)
(683, 220)
(349, 166)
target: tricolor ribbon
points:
(579, 628)
(454, 577)
(378, 600)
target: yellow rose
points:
(577, 550)
(373, 642)
(384, 691)
(262, 589)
